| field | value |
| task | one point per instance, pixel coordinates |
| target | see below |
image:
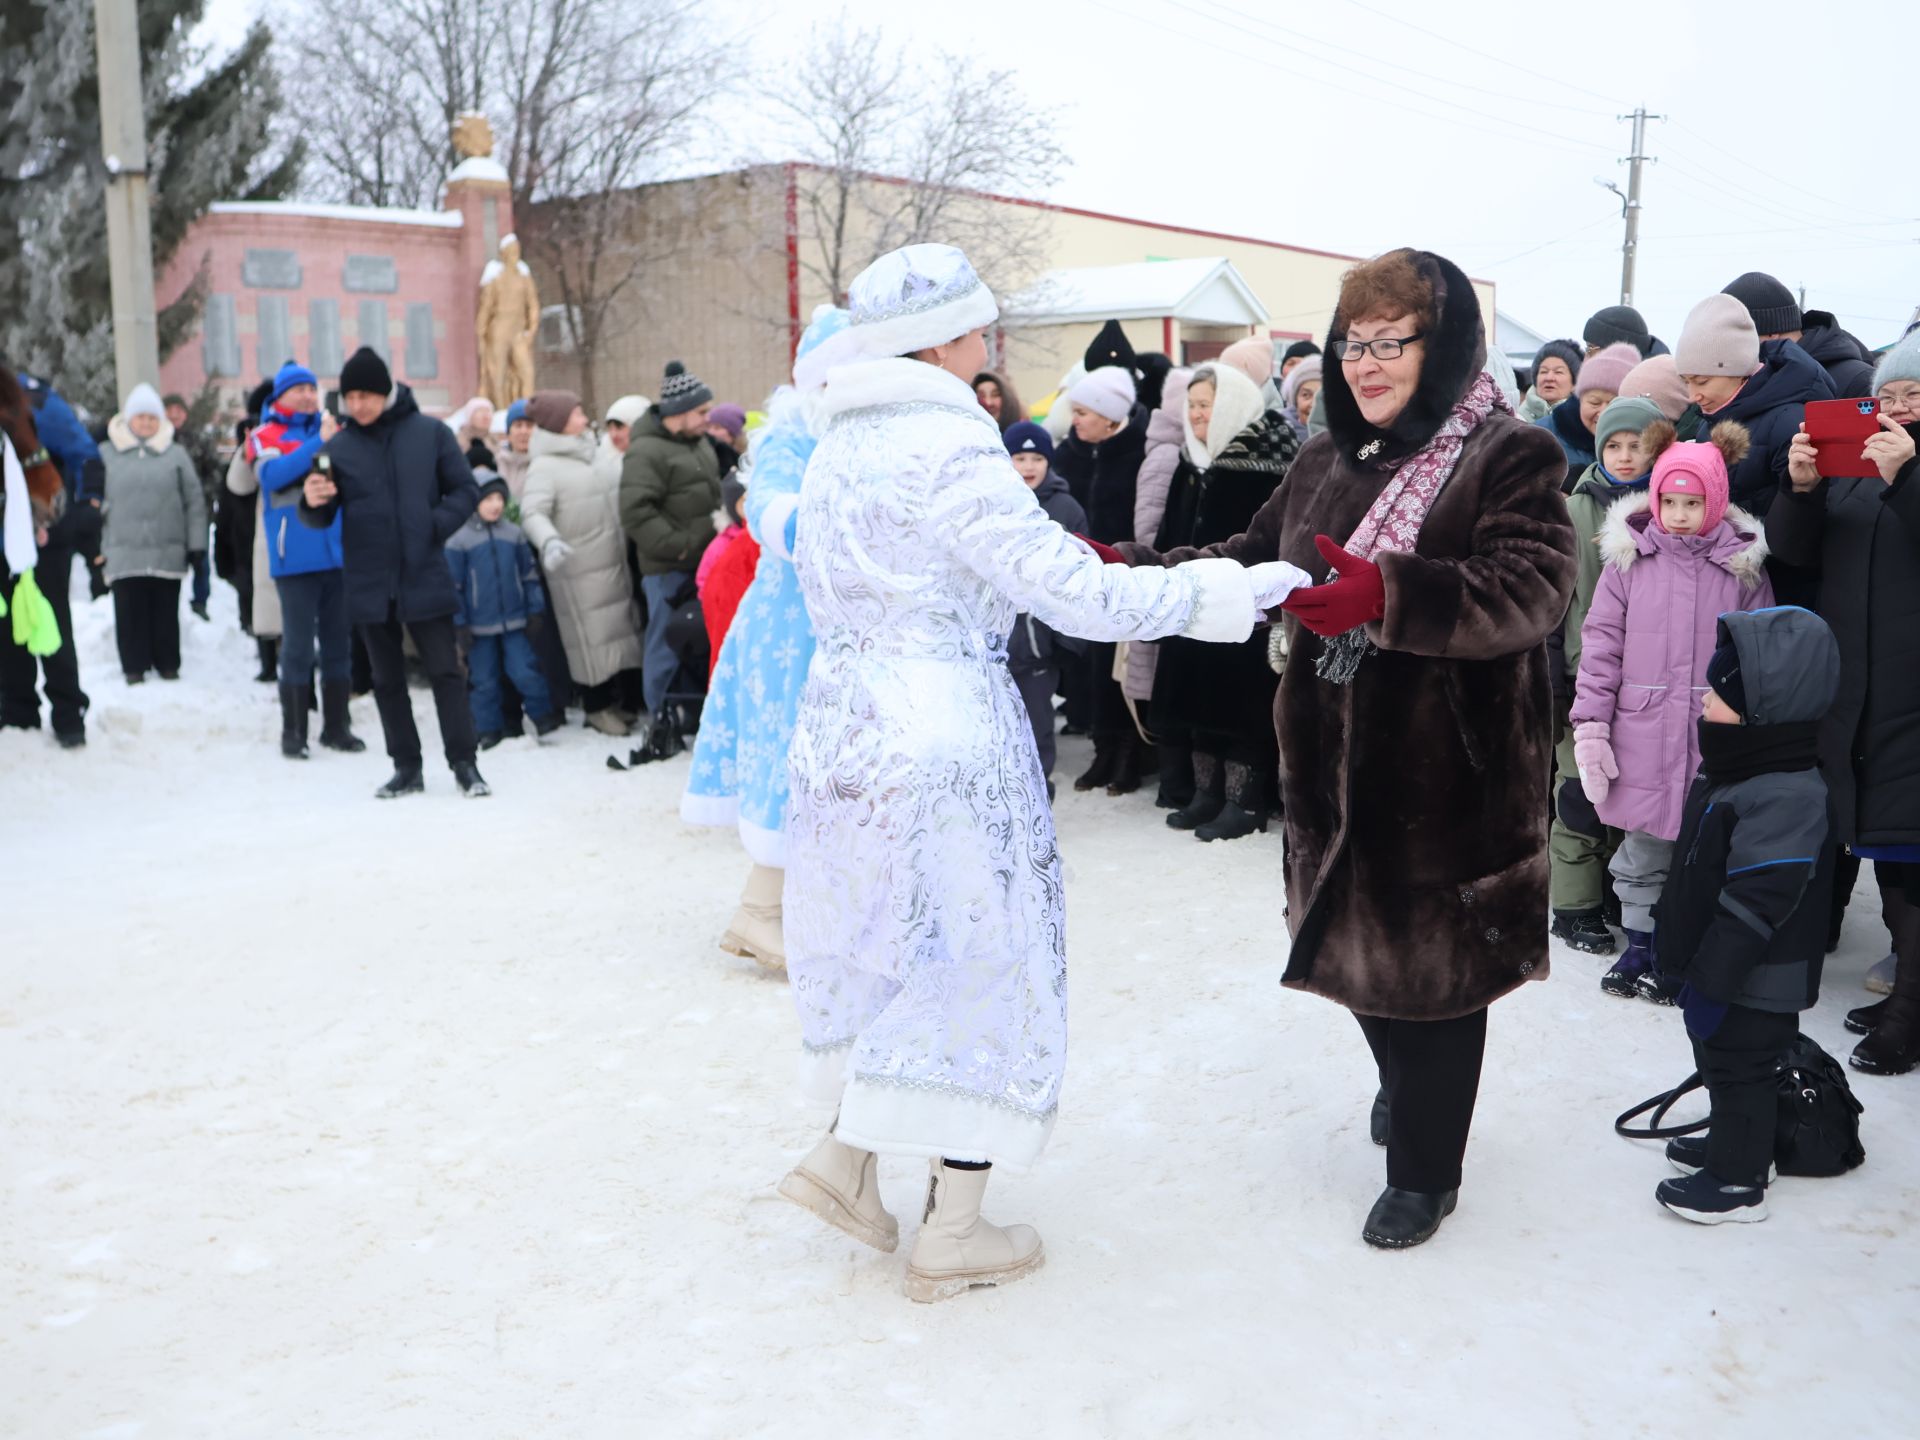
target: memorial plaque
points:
(220, 346)
(423, 362)
(373, 328)
(371, 274)
(272, 343)
(323, 337)
(271, 269)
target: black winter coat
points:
(1848, 363)
(1103, 478)
(406, 489)
(1034, 645)
(1208, 692)
(1862, 539)
(1771, 405)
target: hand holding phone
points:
(1840, 431)
(1891, 449)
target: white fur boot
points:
(755, 930)
(842, 1186)
(957, 1249)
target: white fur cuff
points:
(772, 533)
(1223, 595)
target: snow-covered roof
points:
(1204, 291)
(479, 167)
(1515, 339)
(376, 214)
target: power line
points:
(1767, 174)
(1484, 55)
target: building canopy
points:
(1202, 291)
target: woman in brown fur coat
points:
(1414, 714)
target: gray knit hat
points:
(1617, 324)
(681, 390)
(1902, 362)
(1718, 339)
(1630, 413)
(1774, 309)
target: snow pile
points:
(338, 1118)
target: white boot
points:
(842, 1186)
(755, 930)
(957, 1249)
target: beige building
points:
(734, 265)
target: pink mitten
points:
(1593, 753)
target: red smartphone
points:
(1839, 430)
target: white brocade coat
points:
(924, 910)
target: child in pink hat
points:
(1674, 560)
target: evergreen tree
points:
(209, 137)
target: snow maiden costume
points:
(924, 906)
(740, 756)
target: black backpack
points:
(1818, 1130)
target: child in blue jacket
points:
(500, 604)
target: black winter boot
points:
(466, 775)
(293, 721)
(406, 780)
(1585, 931)
(1209, 794)
(1865, 1019)
(1176, 777)
(336, 727)
(1402, 1219)
(1894, 1046)
(1106, 760)
(1132, 764)
(269, 661)
(1246, 807)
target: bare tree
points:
(901, 149)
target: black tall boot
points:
(1135, 757)
(1209, 794)
(1106, 759)
(336, 725)
(269, 660)
(294, 700)
(1246, 807)
(1894, 1046)
(1176, 777)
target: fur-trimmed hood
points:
(1738, 544)
(897, 381)
(120, 435)
(1456, 352)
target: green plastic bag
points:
(34, 625)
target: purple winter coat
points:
(1645, 646)
(1166, 432)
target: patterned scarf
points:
(1394, 521)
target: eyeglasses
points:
(1387, 347)
(1905, 399)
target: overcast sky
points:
(1473, 129)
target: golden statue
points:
(509, 316)
(472, 135)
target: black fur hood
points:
(1456, 353)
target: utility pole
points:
(123, 146)
(1630, 251)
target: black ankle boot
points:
(1866, 1019)
(1100, 774)
(1245, 810)
(293, 721)
(336, 728)
(1893, 1048)
(1176, 777)
(1401, 1219)
(1209, 794)
(269, 661)
(1130, 766)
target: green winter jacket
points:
(669, 489)
(154, 512)
(1593, 495)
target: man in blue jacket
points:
(305, 564)
(402, 489)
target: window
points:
(422, 362)
(559, 324)
(273, 344)
(373, 328)
(323, 337)
(220, 345)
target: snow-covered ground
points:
(326, 1117)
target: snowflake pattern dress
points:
(739, 774)
(924, 908)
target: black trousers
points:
(441, 656)
(313, 621)
(1739, 1065)
(1036, 689)
(20, 670)
(146, 623)
(1430, 1070)
(1111, 719)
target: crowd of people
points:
(1658, 629)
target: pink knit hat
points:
(1718, 339)
(1692, 468)
(1252, 357)
(1607, 370)
(1658, 380)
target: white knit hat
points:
(143, 399)
(1718, 339)
(1108, 391)
(628, 408)
(914, 298)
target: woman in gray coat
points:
(154, 518)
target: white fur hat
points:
(1108, 391)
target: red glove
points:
(1108, 555)
(1359, 595)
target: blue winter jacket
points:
(496, 584)
(61, 432)
(282, 449)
